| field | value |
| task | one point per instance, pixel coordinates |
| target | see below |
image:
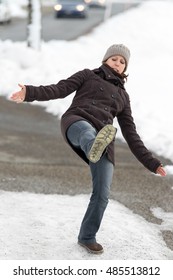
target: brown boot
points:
(93, 248)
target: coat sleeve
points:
(60, 90)
(134, 141)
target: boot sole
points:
(104, 137)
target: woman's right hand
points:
(161, 171)
(19, 96)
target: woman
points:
(87, 128)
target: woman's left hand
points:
(161, 171)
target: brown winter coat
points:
(100, 97)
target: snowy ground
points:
(46, 226)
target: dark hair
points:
(124, 76)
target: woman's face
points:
(117, 63)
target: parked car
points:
(96, 3)
(71, 8)
(5, 15)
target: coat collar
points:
(107, 73)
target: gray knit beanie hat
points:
(117, 49)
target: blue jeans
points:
(81, 134)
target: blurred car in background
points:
(96, 3)
(71, 8)
(5, 15)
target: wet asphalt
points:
(35, 158)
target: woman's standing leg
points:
(102, 173)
